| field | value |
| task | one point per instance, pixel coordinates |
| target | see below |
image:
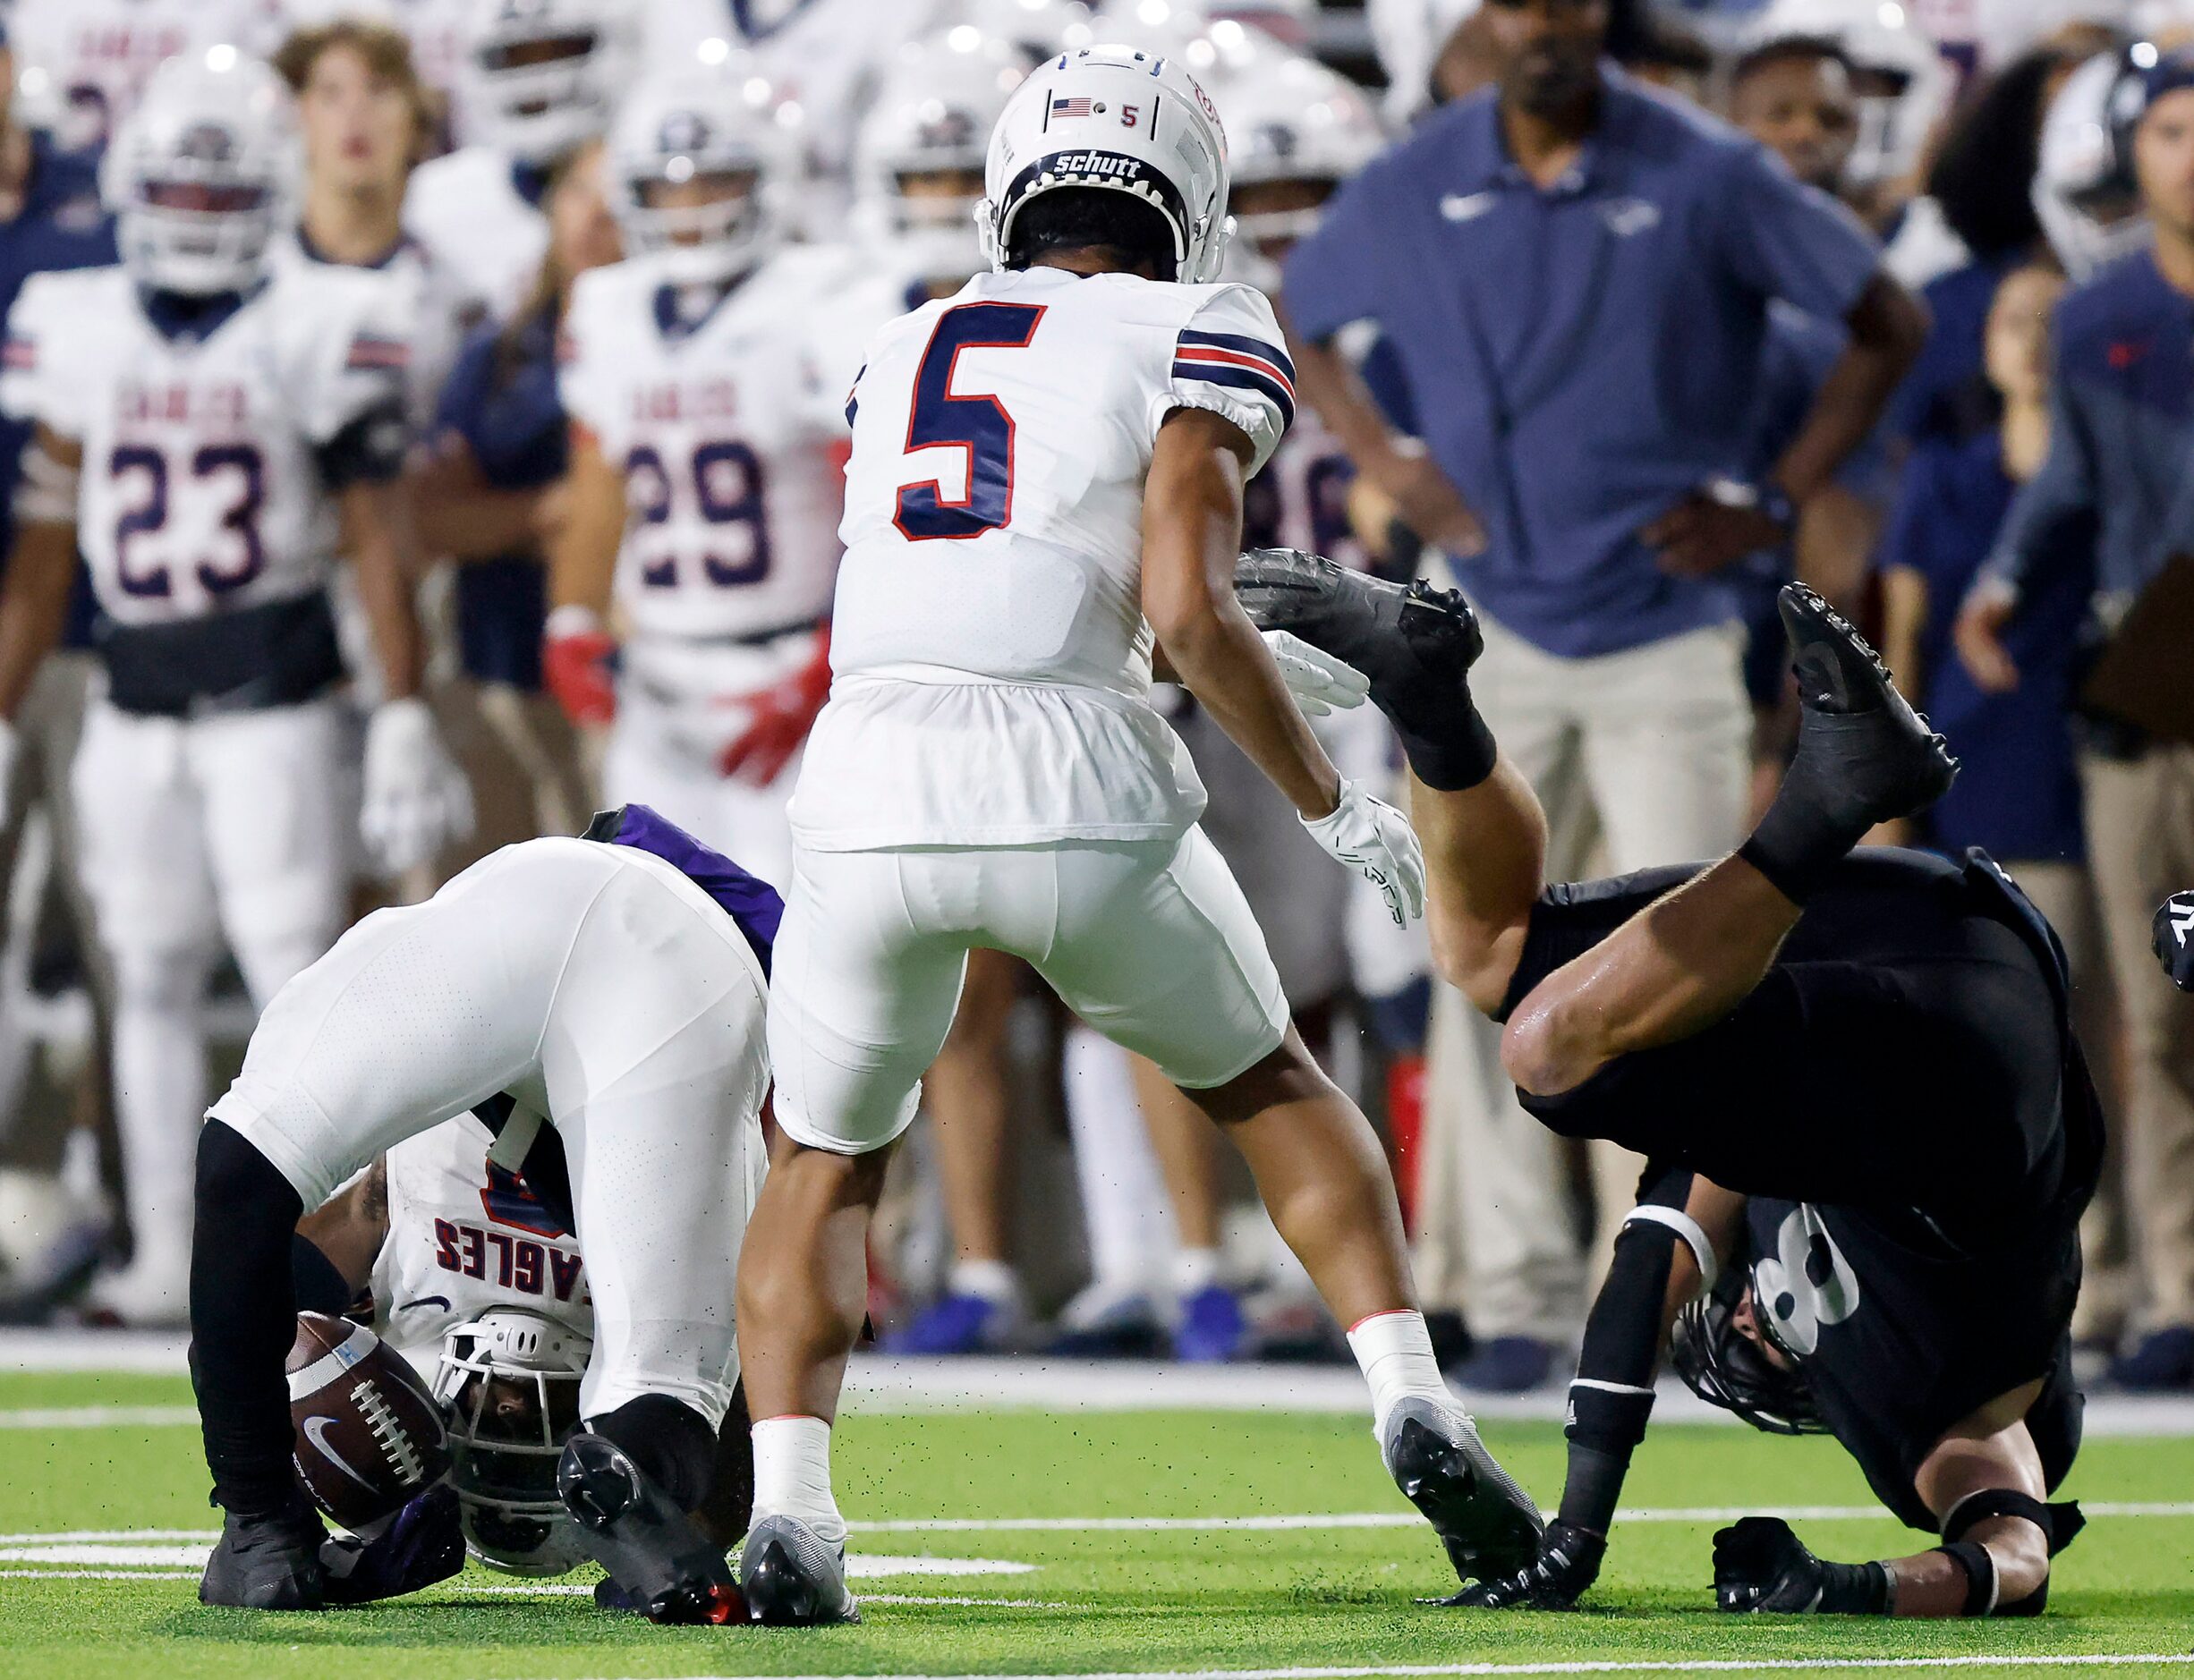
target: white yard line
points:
(42, 1418)
(63, 1545)
(1425, 1671)
(1409, 1519)
(566, 1589)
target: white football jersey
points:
(424, 293)
(202, 488)
(465, 1237)
(993, 537)
(466, 209)
(92, 58)
(730, 429)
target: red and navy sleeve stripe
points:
(370, 352)
(1247, 364)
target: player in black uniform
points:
(1870, 1129)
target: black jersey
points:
(1904, 1103)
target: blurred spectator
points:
(1585, 372)
(1980, 192)
(50, 219)
(367, 120)
(2121, 452)
(2017, 789)
(1793, 94)
(487, 492)
(88, 60)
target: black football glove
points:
(1760, 1565)
(425, 1544)
(1569, 1561)
(2174, 939)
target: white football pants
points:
(607, 993)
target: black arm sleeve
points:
(1612, 1396)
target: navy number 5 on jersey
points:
(978, 425)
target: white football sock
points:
(791, 1475)
(159, 1099)
(1125, 1205)
(993, 1280)
(1194, 1269)
(1395, 1351)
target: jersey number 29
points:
(979, 425)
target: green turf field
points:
(87, 1509)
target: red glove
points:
(578, 666)
(781, 716)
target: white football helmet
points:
(508, 1384)
(541, 76)
(1409, 36)
(2084, 191)
(1903, 82)
(933, 117)
(1118, 120)
(1293, 120)
(692, 126)
(203, 173)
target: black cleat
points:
(660, 1562)
(1864, 755)
(1489, 1526)
(791, 1578)
(1415, 643)
(267, 1563)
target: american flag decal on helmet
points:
(1070, 107)
(1230, 358)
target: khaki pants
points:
(1648, 750)
(2141, 847)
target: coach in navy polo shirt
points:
(1575, 274)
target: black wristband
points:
(1980, 1571)
(1854, 1590)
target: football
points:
(368, 1436)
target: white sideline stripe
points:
(97, 1417)
(881, 1384)
(1700, 1665)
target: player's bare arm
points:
(582, 563)
(582, 560)
(379, 537)
(458, 513)
(34, 600)
(1192, 530)
(350, 1227)
(1396, 466)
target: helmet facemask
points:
(1760, 1379)
(508, 1383)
